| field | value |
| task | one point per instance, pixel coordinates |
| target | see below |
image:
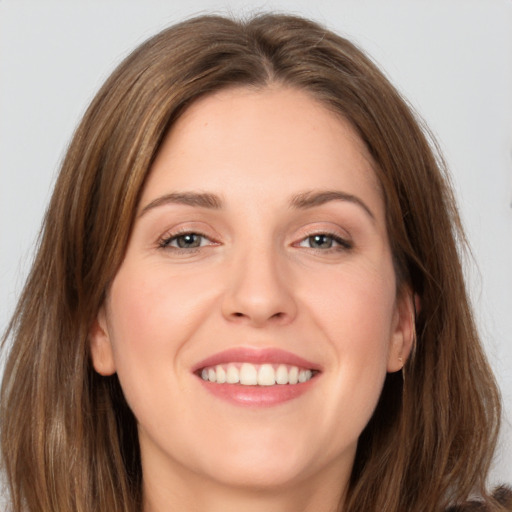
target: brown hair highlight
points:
(69, 441)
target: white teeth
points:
(293, 375)
(266, 375)
(221, 374)
(304, 375)
(282, 374)
(232, 375)
(249, 374)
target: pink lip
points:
(257, 396)
(256, 356)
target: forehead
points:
(276, 137)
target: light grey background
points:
(452, 59)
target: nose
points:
(259, 291)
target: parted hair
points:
(69, 440)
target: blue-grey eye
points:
(325, 241)
(321, 241)
(187, 241)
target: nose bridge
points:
(258, 291)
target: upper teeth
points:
(249, 374)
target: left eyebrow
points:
(311, 199)
(203, 200)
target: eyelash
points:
(165, 243)
(337, 243)
(341, 243)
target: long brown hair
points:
(69, 441)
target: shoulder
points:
(502, 501)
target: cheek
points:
(136, 315)
(355, 307)
(356, 317)
(150, 317)
(151, 306)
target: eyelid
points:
(333, 230)
(341, 243)
(166, 242)
(163, 242)
(334, 236)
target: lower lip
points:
(258, 396)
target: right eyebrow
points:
(203, 200)
(310, 199)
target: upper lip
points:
(256, 356)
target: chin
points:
(268, 475)
(271, 466)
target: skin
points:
(257, 279)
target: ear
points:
(403, 335)
(101, 347)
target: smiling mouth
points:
(248, 374)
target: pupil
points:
(188, 240)
(321, 241)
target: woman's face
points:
(259, 253)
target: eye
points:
(185, 241)
(324, 241)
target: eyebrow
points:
(311, 199)
(302, 201)
(203, 200)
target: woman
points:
(248, 294)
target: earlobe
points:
(403, 336)
(101, 348)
